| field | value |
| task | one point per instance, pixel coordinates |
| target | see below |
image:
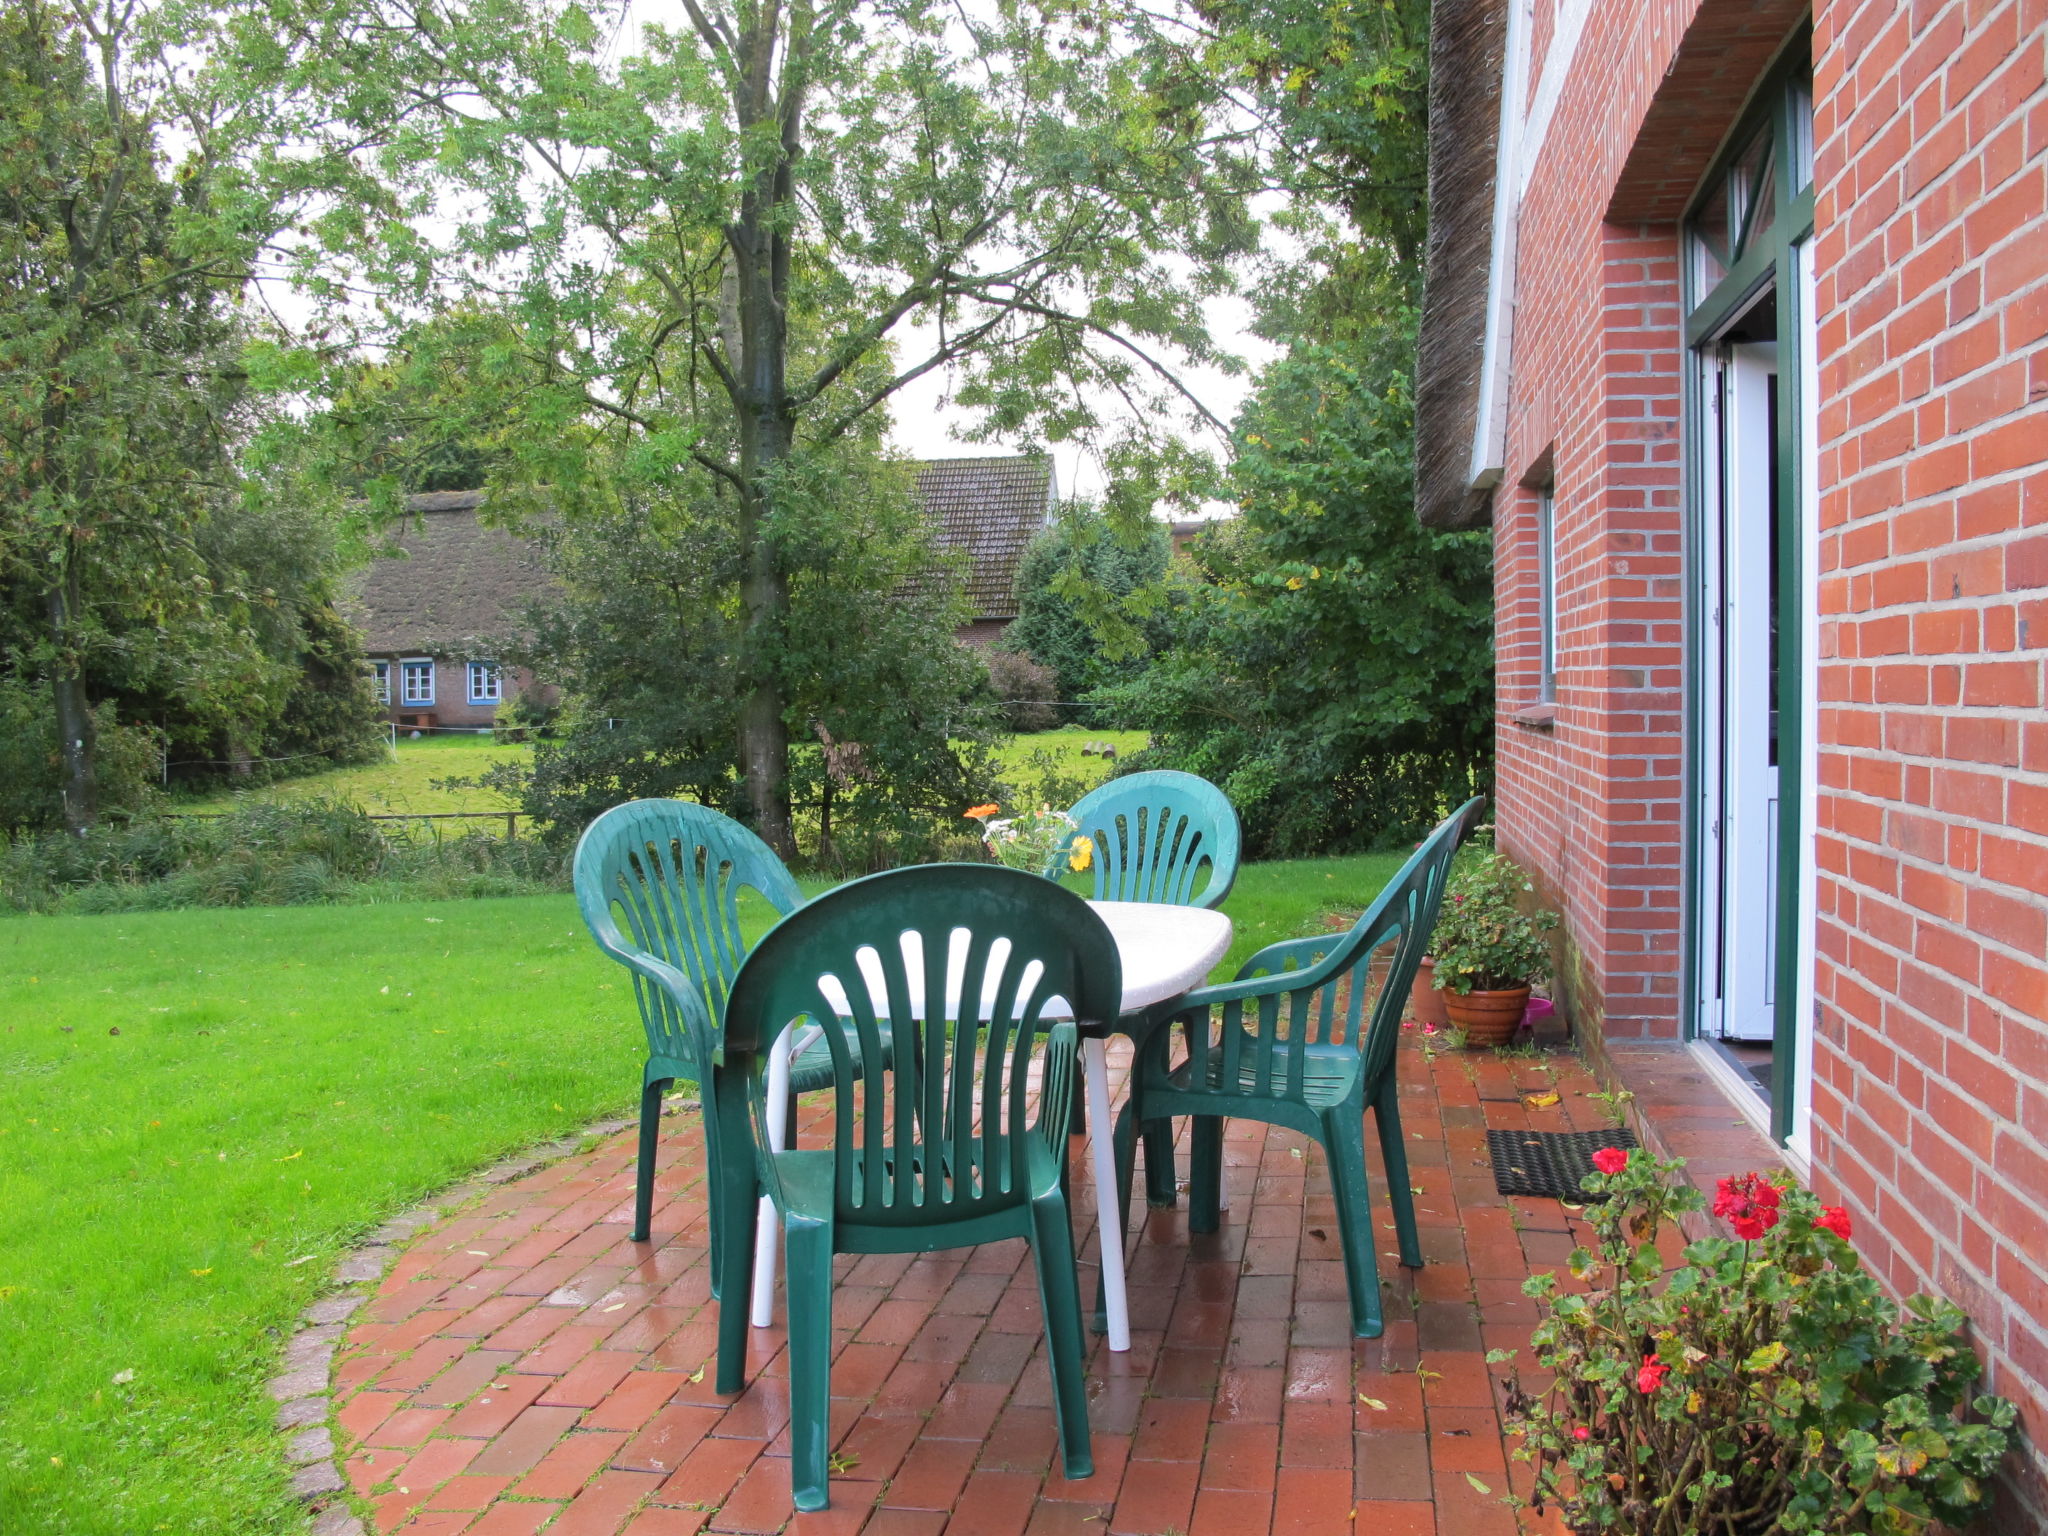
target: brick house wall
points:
(1931, 1058)
(1931, 253)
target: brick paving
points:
(525, 1368)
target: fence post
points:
(511, 826)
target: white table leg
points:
(1109, 1210)
(766, 1228)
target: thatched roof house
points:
(1466, 43)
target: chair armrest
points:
(675, 998)
(1278, 959)
(1056, 1085)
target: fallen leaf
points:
(122, 1378)
(476, 1253)
(615, 1306)
(1373, 1403)
(1477, 1484)
(199, 1272)
(1540, 1100)
(292, 1157)
(698, 1377)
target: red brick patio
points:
(523, 1367)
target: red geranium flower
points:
(1652, 1374)
(1749, 1204)
(1834, 1219)
(1580, 1432)
(1610, 1159)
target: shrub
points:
(1767, 1385)
(1026, 690)
(125, 765)
(295, 853)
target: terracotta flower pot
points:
(1488, 1018)
(1425, 1003)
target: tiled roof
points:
(460, 582)
(991, 509)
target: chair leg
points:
(1205, 1173)
(1160, 1191)
(809, 1265)
(650, 1141)
(1059, 1293)
(714, 1213)
(1344, 1147)
(733, 1200)
(1386, 1116)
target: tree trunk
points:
(75, 743)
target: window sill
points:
(1537, 717)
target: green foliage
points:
(30, 795)
(1760, 1387)
(1088, 600)
(1025, 689)
(265, 853)
(1333, 674)
(1485, 941)
(644, 634)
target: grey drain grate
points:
(1549, 1162)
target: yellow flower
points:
(1081, 855)
(980, 812)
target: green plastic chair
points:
(659, 883)
(1288, 1042)
(1160, 836)
(936, 1151)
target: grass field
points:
(199, 1110)
(404, 783)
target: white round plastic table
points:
(1165, 951)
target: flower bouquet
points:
(1765, 1385)
(1028, 840)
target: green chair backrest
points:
(1327, 984)
(941, 1135)
(1159, 836)
(665, 877)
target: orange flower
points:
(980, 812)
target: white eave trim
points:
(1490, 416)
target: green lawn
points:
(404, 782)
(199, 1109)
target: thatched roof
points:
(459, 585)
(990, 509)
(1466, 39)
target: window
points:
(1546, 594)
(416, 682)
(484, 684)
(382, 672)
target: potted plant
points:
(1488, 951)
(1766, 1385)
(1028, 840)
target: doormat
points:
(1549, 1162)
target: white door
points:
(1747, 378)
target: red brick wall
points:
(1931, 1090)
(1932, 1063)
(1590, 804)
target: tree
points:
(1335, 675)
(130, 571)
(110, 405)
(1076, 588)
(642, 638)
(729, 250)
